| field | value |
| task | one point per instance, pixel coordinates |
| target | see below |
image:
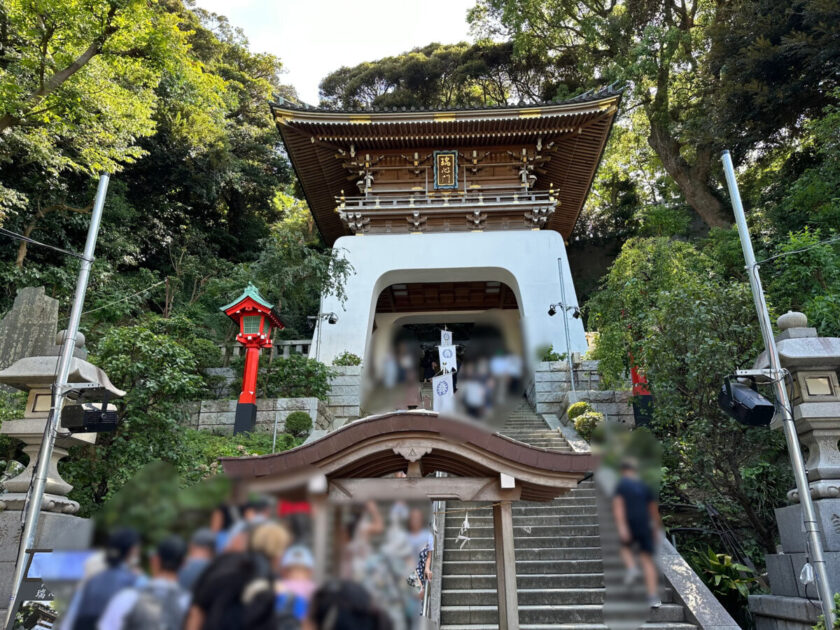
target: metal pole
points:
(809, 518)
(39, 479)
(318, 341)
(566, 327)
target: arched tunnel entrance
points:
(484, 321)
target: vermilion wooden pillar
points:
(255, 317)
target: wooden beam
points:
(344, 491)
(505, 566)
(320, 532)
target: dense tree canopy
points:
(440, 75)
(171, 101)
(706, 75)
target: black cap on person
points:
(120, 544)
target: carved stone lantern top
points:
(38, 372)
(792, 319)
(800, 346)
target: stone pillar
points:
(29, 328)
(813, 363)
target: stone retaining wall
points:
(218, 415)
(343, 400)
(345, 392)
(549, 393)
(614, 404)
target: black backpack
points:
(244, 595)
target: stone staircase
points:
(559, 565)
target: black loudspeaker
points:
(743, 403)
(89, 418)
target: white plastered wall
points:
(525, 260)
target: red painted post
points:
(249, 378)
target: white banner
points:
(448, 362)
(444, 398)
(446, 337)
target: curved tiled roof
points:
(585, 97)
(577, 130)
(367, 448)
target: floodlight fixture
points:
(741, 401)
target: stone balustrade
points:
(283, 348)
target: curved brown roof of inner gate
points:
(541, 468)
(578, 128)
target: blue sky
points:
(315, 37)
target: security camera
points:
(552, 311)
(742, 402)
(333, 318)
(576, 313)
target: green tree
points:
(77, 86)
(666, 305)
(295, 268)
(706, 75)
(158, 373)
(439, 75)
(807, 278)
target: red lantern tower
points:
(255, 317)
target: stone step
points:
(483, 526)
(554, 448)
(582, 516)
(525, 596)
(524, 567)
(526, 581)
(542, 595)
(559, 514)
(523, 425)
(540, 525)
(568, 500)
(523, 540)
(524, 553)
(560, 580)
(567, 505)
(533, 439)
(545, 614)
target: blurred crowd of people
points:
(253, 568)
(485, 382)
(486, 385)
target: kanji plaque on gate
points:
(446, 169)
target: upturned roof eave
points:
(288, 113)
(250, 292)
